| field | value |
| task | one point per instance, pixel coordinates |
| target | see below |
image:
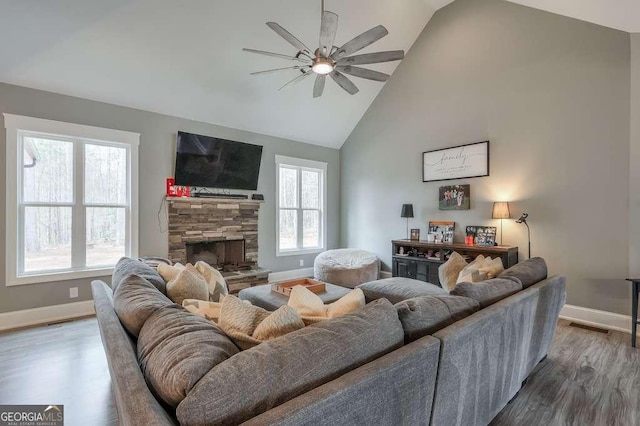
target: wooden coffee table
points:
(263, 297)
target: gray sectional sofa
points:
(432, 358)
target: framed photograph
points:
(415, 234)
(455, 197)
(443, 231)
(482, 235)
(459, 162)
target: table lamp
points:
(501, 211)
(407, 212)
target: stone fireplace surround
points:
(205, 220)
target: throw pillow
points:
(202, 308)
(135, 300)
(249, 325)
(186, 285)
(215, 281)
(176, 349)
(127, 266)
(312, 309)
(449, 271)
(168, 272)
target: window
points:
(71, 199)
(301, 196)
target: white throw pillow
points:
(312, 309)
(449, 271)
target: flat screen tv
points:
(210, 162)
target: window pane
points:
(48, 171)
(105, 180)
(47, 238)
(105, 235)
(288, 187)
(310, 190)
(288, 229)
(310, 228)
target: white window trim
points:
(14, 124)
(300, 162)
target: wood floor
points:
(589, 378)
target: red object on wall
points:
(177, 191)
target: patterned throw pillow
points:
(202, 308)
(312, 309)
(249, 325)
(187, 285)
(448, 272)
(216, 284)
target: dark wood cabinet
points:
(417, 264)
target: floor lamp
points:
(501, 211)
(523, 219)
(407, 212)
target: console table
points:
(415, 262)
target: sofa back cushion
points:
(134, 301)
(397, 289)
(127, 266)
(425, 315)
(176, 349)
(276, 371)
(529, 272)
(488, 292)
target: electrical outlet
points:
(301, 262)
(73, 292)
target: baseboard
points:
(48, 314)
(385, 274)
(290, 275)
(596, 318)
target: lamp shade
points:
(501, 210)
(407, 210)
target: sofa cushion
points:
(488, 292)
(529, 272)
(127, 266)
(188, 284)
(449, 271)
(249, 325)
(176, 349)
(281, 369)
(134, 301)
(425, 315)
(312, 309)
(397, 289)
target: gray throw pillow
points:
(488, 292)
(425, 315)
(135, 300)
(127, 266)
(176, 349)
(529, 272)
(276, 371)
(397, 289)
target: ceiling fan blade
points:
(360, 42)
(344, 82)
(373, 58)
(297, 67)
(296, 80)
(288, 37)
(276, 55)
(318, 87)
(364, 73)
(328, 30)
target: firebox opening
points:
(227, 255)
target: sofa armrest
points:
(396, 388)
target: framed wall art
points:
(454, 197)
(459, 162)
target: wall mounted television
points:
(210, 162)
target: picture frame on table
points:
(482, 235)
(415, 234)
(443, 231)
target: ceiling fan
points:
(330, 60)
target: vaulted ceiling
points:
(185, 59)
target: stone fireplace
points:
(222, 232)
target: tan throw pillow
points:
(186, 285)
(169, 273)
(215, 281)
(448, 272)
(249, 325)
(312, 309)
(204, 309)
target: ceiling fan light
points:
(322, 68)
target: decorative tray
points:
(284, 287)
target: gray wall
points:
(157, 153)
(553, 96)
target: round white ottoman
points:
(346, 267)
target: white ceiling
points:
(185, 59)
